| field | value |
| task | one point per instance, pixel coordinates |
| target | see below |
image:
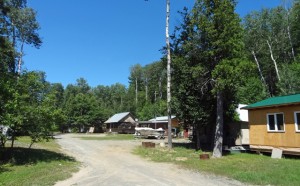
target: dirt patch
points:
(107, 162)
(181, 159)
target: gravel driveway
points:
(111, 163)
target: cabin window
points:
(297, 121)
(275, 122)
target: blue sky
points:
(100, 40)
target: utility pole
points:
(168, 75)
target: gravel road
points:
(111, 163)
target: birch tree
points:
(23, 28)
(287, 4)
(136, 79)
(253, 41)
(268, 40)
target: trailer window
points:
(275, 122)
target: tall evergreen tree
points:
(220, 37)
(210, 58)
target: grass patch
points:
(109, 137)
(248, 168)
(41, 165)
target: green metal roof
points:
(275, 101)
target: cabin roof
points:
(117, 117)
(275, 101)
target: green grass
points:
(248, 168)
(110, 137)
(41, 165)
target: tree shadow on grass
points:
(190, 145)
(24, 156)
(3, 169)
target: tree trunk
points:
(198, 147)
(12, 141)
(260, 72)
(136, 92)
(20, 59)
(291, 43)
(14, 42)
(258, 66)
(31, 144)
(168, 76)
(160, 89)
(288, 29)
(146, 89)
(218, 142)
(13, 33)
(2, 142)
(120, 107)
(273, 59)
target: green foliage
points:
(32, 108)
(150, 111)
(273, 32)
(136, 76)
(7, 62)
(290, 83)
(21, 96)
(18, 27)
(191, 85)
(84, 106)
(80, 106)
(295, 27)
(251, 91)
(147, 85)
(43, 113)
(24, 25)
(57, 90)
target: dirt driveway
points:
(111, 163)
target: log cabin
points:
(120, 123)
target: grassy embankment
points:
(43, 164)
(247, 168)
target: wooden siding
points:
(128, 119)
(160, 124)
(175, 122)
(259, 134)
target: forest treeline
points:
(217, 58)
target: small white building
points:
(243, 138)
